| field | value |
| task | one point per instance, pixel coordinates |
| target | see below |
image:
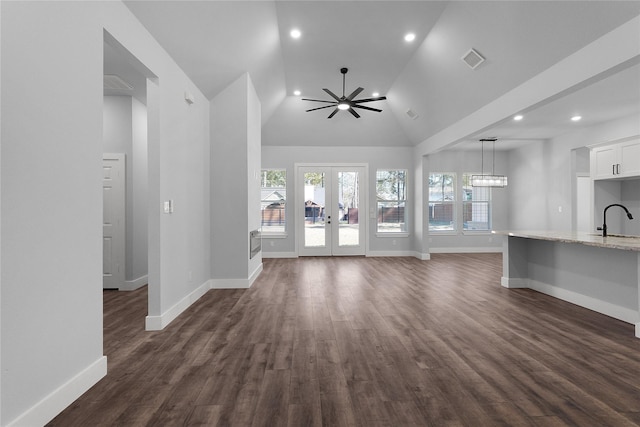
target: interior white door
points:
(329, 201)
(113, 220)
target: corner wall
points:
(51, 307)
(235, 184)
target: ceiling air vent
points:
(412, 114)
(472, 58)
(113, 82)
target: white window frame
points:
(489, 203)
(453, 203)
(271, 233)
(403, 232)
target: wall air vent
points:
(114, 82)
(412, 114)
(472, 58)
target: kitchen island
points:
(595, 272)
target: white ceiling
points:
(614, 96)
(215, 42)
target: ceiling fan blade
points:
(318, 100)
(334, 113)
(379, 98)
(355, 93)
(320, 108)
(354, 113)
(333, 95)
(366, 108)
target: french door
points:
(331, 210)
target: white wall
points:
(125, 131)
(461, 162)
(51, 202)
(541, 175)
(275, 157)
(139, 266)
(51, 249)
(235, 183)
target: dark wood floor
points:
(366, 342)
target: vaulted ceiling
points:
(215, 42)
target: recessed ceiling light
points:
(375, 94)
(409, 37)
(518, 117)
(576, 118)
(295, 33)
(297, 92)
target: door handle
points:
(618, 169)
(613, 169)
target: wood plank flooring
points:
(366, 342)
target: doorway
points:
(113, 220)
(130, 125)
(331, 209)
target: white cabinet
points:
(619, 160)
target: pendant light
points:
(493, 180)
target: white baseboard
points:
(612, 310)
(132, 285)
(466, 250)
(279, 254)
(638, 330)
(390, 253)
(423, 256)
(45, 410)
(236, 283)
(514, 282)
(157, 323)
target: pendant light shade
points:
(493, 180)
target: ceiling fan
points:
(346, 102)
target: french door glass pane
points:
(314, 207)
(348, 196)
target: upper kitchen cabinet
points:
(617, 160)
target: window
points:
(442, 191)
(476, 206)
(273, 200)
(391, 189)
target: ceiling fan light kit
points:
(345, 103)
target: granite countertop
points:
(626, 243)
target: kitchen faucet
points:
(604, 225)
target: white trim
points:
(157, 323)
(390, 253)
(279, 255)
(422, 256)
(612, 310)
(236, 283)
(466, 250)
(59, 399)
(132, 285)
(268, 235)
(400, 234)
(514, 282)
(638, 330)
